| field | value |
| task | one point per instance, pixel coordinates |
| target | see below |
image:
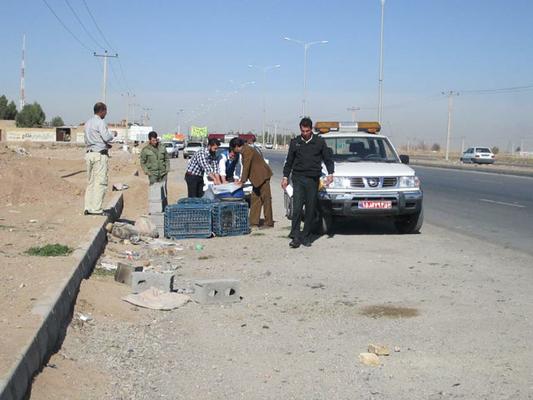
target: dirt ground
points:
(454, 312)
(41, 202)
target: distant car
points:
(172, 149)
(191, 148)
(269, 146)
(478, 155)
(180, 144)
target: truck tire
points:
(409, 224)
(327, 222)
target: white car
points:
(371, 180)
(171, 148)
(191, 148)
(269, 146)
(478, 155)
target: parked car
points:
(269, 146)
(478, 155)
(191, 148)
(172, 149)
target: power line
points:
(82, 25)
(97, 27)
(66, 27)
(512, 89)
(124, 83)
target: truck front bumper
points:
(347, 204)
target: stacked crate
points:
(230, 218)
(189, 218)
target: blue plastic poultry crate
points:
(189, 220)
(230, 218)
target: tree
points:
(495, 150)
(7, 111)
(32, 115)
(57, 121)
(435, 147)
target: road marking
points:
(502, 203)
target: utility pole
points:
(145, 116)
(179, 113)
(353, 110)
(450, 95)
(105, 56)
(22, 73)
(380, 103)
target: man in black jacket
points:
(304, 160)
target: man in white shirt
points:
(97, 139)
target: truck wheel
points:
(408, 224)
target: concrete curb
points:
(55, 309)
(493, 170)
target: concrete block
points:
(140, 281)
(124, 271)
(215, 291)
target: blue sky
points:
(193, 56)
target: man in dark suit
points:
(257, 170)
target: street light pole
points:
(306, 46)
(450, 95)
(264, 69)
(380, 105)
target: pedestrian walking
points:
(304, 161)
(97, 139)
(156, 165)
(255, 168)
(203, 162)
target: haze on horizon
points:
(194, 57)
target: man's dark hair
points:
(306, 123)
(99, 107)
(236, 142)
(152, 134)
(213, 141)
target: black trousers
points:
(195, 185)
(305, 194)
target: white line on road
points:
(502, 203)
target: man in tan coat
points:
(257, 170)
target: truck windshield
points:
(354, 149)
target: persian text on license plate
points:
(376, 204)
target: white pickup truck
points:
(371, 180)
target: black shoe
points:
(295, 243)
(306, 243)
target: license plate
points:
(375, 204)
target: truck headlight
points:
(409, 182)
(340, 182)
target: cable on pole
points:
(66, 27)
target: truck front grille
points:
(357, 182)
(390, 181)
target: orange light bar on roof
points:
(335, 126)
(370, 127)
(325, 127)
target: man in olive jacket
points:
(257, 170)
(156, 164)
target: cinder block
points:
(141, 281)
(124, 271)
(215, 291)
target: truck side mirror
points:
(404, 159)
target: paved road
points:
(494, 207)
